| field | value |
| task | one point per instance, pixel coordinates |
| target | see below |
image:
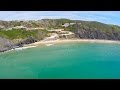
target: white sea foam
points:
(48, 44)
(21, 48)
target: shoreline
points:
(72, 40)
(51, 42)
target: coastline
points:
(71, 40)
(51, 42)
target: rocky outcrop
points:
(97, 34)
(5, 44)
(26, 41)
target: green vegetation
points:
(17, 34)
(53, 24)
(100, 26)
(70, 28)
(93, 25)
(35, 24)
(40, 34)
(62, 21)
(82, 25)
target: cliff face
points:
(108, 33)
(5, 44)
(96, 34)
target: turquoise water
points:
(63, 61)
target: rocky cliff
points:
(100, 32)
(5, 44)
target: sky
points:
(108, 17)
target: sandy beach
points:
(72, 40)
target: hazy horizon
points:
(107, 17)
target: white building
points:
(66, 25)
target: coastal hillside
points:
(96, 30)
(17, 33)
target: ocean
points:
(73, 60)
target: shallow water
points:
(63, 61)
